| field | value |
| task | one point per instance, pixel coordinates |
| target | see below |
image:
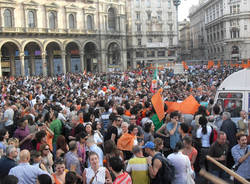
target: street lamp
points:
(177, 3)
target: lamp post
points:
(177, 3)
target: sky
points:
(184, 8)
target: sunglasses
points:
(46, 149)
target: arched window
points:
(114, 55)
(111, 19)
(7, 18)
(31, 19)
(52, 20)
(89, 22)
(71, 21)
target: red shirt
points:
(124, 178)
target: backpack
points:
(66, 129)
(168, 171)
(213, 135)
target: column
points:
(103, 60)
(134, 59)
(12, 64)
(51, 63)
(32, 62)
(44, 64)
(22, 63)
(68, 62)
(63, 55)
(1, 65)
(124, 60)
(82, 61)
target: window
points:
(139, 41)
(139, 54)
(150, 53)
(52, 20)
(161, 53)
(159, 14)
(169, 4)
(149, 15)
(169, 15)
(245, 27)
(71, 21)
(148, 3)
(111, 19)
(138, 27)
(138, 16)
(31, 19)
(159, 3)
(137, 3)
(89, 22)
(7, 18)
(150, 40)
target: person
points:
(61, 146)
(44, 179)
(70, 178)
(56, 128)
(229, 127)
(149, 131)
(105, 118)
(4, 135)
(96, 174)
(47, 157)
(60, 171)
(89, 130)
(10, 179)
(159, 144)
(81, 147)
(7, 162)
(116, 166)
(94, 148)
(181, 164)
(26, 173)
(172, 127)
(189, 150)
(183, 130)
(35, 159)
(8, 118)
(203, 133)
(242, 124)
(40, 139)
(217, 117)
(218, 151)
(154, 165)
(137, 167)
(241, 155)
(71, 159)
(112, 132)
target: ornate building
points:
(151, 31)
(49, 37)
(220, 30)
(185, 42)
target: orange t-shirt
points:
(127, 113)
(49, 139)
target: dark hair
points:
(92, 131)
(61, 143)
(120, 111)
(70, 177)
(187, 139)
(109, 147)
(39, 135)
(10, 179)
(240, 134)
(44, 179)
(216, 109)
(2, 134)
(116, 164)
(184, 127)
(203, 123)
(173, 114)
(131, 128)
(147, 127)
(81, 135)
(59, 161)
(178, 146)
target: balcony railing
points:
(154, 33)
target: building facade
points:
(50, 37)
(223, 30)
(151, 32)
(185, 41)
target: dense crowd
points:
(102, 128)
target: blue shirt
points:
(72, 159)
(244, 168)
(176, 136)
(26, 173)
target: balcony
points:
(11, 29)
(154, 33)
(170, 33)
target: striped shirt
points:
(124, 178)
(138, 168)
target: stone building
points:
(220, 30)
(185, 41)
(50, 37)
(151, 32)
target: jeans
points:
(220, 174)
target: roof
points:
(239, 81)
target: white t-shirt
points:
(205, 138)
(9, 113)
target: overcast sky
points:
(184, 8)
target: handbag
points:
(236, 166)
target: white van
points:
(234, 93)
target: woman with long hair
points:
(47, 157)
(97, 137)
(62, 146)
(189, 150)
(203, 133)
(60, 171)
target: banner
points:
(158, 104)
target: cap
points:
(149, 145)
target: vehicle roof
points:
(238, 81)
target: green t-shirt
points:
(56, 127)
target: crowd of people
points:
(102, 128)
